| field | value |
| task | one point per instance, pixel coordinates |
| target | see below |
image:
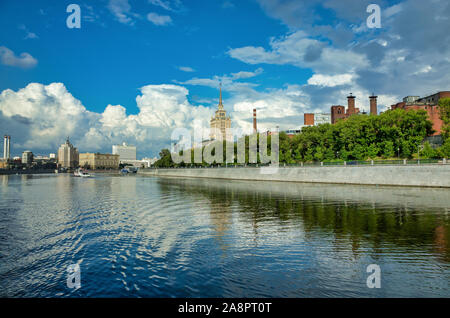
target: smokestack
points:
(373, 104)
(351, 104)
(6, 146)
(255, 129)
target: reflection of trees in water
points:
(357, 223)
(218, 203)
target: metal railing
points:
(316, 164)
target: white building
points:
(125, 152)
(149, 161)
(322, 118)
(27, 157)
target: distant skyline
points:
(137, 69)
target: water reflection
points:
(159, 237)
(384, 217)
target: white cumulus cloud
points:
(24, 60)
(47, 114)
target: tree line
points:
(393, 134)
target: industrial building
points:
(314, 119)
(428, 104)
(339, 112)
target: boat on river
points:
(81, 173)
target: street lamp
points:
(418, 154)
(398, 152)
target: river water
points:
(137, 236)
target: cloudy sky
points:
(138, 69)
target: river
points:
(137, 236)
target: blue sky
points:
(107, 61)
(137, 69)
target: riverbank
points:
(27, 171)
(408, 175)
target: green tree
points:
(444, 107)
(165, 160)
(428, 151)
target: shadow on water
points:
(384, 217)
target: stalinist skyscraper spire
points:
(220, 96)
(220, 123)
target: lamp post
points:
(418, 154)
(398, 153)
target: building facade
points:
(27, 157)
(314, 119)
(68, 156)
(428, 104)
(4, 164)
(125, 152)
(308, 119)
(220, 124)
(99, 161)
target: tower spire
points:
(220, 97)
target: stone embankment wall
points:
(401, 175)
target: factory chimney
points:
(373, 104)
(351, 104)
(6, 147)
(255, 129)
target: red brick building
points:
(308, 119)
(429, 104)
(339, 112)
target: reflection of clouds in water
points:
(355, 216)
(146, 236)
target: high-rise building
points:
(6, 147)
(220, 123)
(125, 152)
(27, 157)
(68, 156)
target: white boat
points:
(81, 173)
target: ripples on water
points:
(152, 237)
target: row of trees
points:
(392, 134)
